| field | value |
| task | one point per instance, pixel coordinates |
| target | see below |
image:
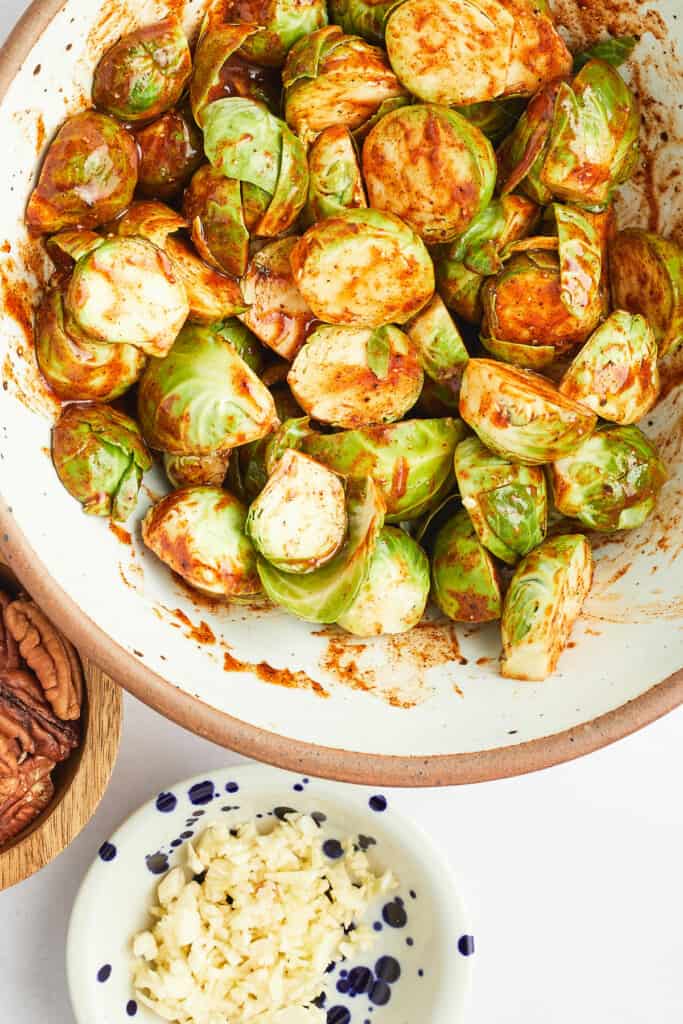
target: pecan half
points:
(32, 794)
(50, 655)
(36, 729)
(9, 652)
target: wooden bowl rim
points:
(260, 744)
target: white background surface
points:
(573, 876)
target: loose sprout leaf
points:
(615, 50)
(379, 353)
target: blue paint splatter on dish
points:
(466, 945)
(131, 1007)
(231, 787)
(201, 793)
(107, 852)
(166, 802)
(377, 802)
(104, 973)
(333, 849)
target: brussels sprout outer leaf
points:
(243, 140)
(495, 118)
(394, 595)
(438, 340)
(325, 594)
(335, 181)
(647, 277)
(277, 312)
(611, 481)
(615, 374)
(305, 57)
(614, 50)
(521, 154)
(465, 581)
(291, 191)
(69, 246)
(199, 533)
(283, 23)
(213, 206)
(580, 263)
(362, 17)
(521, 415)
(290, 435)
(386, 106)
(151, 220)
(542, 603)
(214, 49)
(530, 357)
(410, 461)
(506, 502)
(212, 295)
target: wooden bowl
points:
(79, 782)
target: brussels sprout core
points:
(646, 271)
(100, 458)
(432, 168)
(277, 313)
(465, 581)
(298, 522)
(199, 533)
(521, 415)
(542, 604)
(196, 470)
(611, 481)
(363, 268)
(354, 377)
(615, 374)
(506, 502)
(394, 596)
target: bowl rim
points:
(262, 745)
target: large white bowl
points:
(427, 708)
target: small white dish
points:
(422, 928)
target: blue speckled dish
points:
(419, 971)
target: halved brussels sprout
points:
(356, 377)
(244, 342)
(331, 78)
(100, 457)
(335, 181)
(212, 295)
(76, 367)
(411, 462)
(298, 522)
(456, 51)
(203, 398)
(646, 271)
(605, 224)
(506, 502)
(465, 582)
(363, 268)
(615, 374)
(593, 144)
(438, 341)
(522, 153)
(196, 470)
(277, 312)
(290, 435)
(521, 415)
(282, 23)
(150, 219)
(611, 481)
(170, 152)
(249, 468)
(495, 118)
(462, 266)
(440, 398)
(222, 212)
(199, 533)
(145, 73)
(219, 70)
(128, 291)
(326, 593)
(432, 168)
(88, 176)
(542, 604)
(361, 133)
(244, 141)
(67, 247)
(394, 595)
(364, 18)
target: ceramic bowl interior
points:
(429, 707)
(422, 926)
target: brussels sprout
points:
(593, 144)
(542, 604)
(212, 296)
(219, 71)
(276, 313)
(335, 181)
(455, 51)
(244, 141)
(199, 533)
(244, 342)
(67, 247)
(282, 22)
(615, 50)
(363, 268)
(100, 457)
(605, 224)
(521, 415)
(326, 593)
(438, 341)
(440, 398)
(170, 152)
(506, 502)
(521, 155)
(203, 398)
(611, 481)
(77, 368)
(432, 168)
(290, 435)
(411, 462)
(356, 376)
(248, 469)
(394, 595)
(615, 374)
(334, 79)
(495, 118)
(128, 291)
(145, 73)
(152, 220)
(646, 271)
(465, 583)
(196, 470)
(221, 212)
(364, 18)
(361, 133)
(88, 176)
(529, 357)
(298, 522)
(462, 266)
